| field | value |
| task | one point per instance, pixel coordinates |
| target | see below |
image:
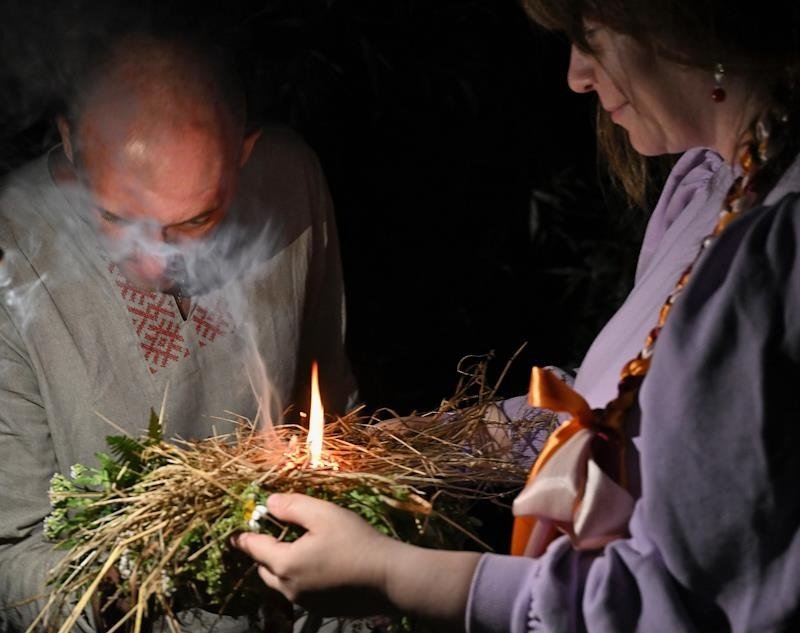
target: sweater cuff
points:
(500, 594)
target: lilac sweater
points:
(715, 536)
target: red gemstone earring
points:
(718, 94)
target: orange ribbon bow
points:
(567, 489)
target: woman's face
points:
(662, 105)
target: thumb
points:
(299, 509)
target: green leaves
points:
(73, 498)
(155, 431)
(169, 516)
(371, 507)
(127, 451)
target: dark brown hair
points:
(760, 40)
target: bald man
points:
(160, 249)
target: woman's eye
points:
(587, 33)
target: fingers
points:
(271, 580)
(299, 509)
(260, 547)
(265, 550)
(274, 560)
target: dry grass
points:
(413, 479)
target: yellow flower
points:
(249, 506)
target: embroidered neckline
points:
(159, 326)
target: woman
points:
(714, 539)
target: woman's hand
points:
(338, 567)
(342, 566)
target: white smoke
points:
(217, 266)
(18, 297)
(41, 50)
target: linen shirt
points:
(78, 341)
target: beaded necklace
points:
(538, 519)
(741, 195)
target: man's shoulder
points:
(281, 157)
(24, 195)
(282, 187)
(281, 141)
(38, 230)
(25, 180)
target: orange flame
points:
(315, 420)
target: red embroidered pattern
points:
(158, 324)
(209, 324)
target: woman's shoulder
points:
(773, 234)
(754, 263)
(771, 230)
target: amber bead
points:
(636, 367)
(652, 337)
(727, 219)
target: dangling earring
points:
(718, 94)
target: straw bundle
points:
(149, 529)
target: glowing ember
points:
(315, 420)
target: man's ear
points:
(248, 144)
(65, 133)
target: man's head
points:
(157, 136)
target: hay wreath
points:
(149, 527)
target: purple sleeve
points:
(624, 588)
(715, 537)
(499, 598)
(511, 594)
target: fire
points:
(316, 420)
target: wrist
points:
(392, 573)
(430, 584)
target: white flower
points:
(53, 524)
(259, 512)
(59, 483)
(125, 565)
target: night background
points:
(472, 213)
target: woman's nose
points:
(580, 75)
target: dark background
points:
(472, 213)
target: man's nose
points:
(151, 252)
(152, 265)
(156, 233)
(580, 75)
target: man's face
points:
(155, 192)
